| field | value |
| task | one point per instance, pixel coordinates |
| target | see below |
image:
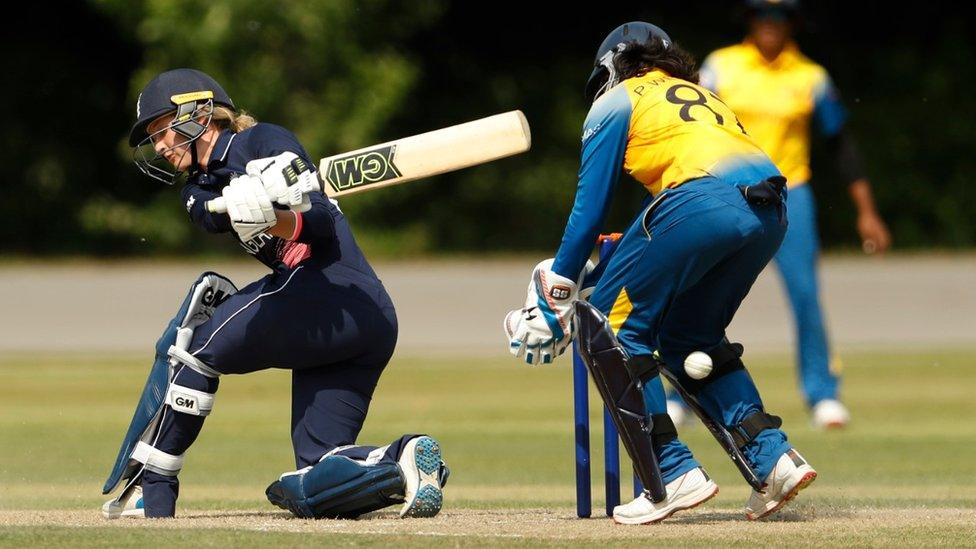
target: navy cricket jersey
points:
(324, 236)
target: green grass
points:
(507, 434)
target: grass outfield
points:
(903, 473)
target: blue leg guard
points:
(338, 487)
(139, 451)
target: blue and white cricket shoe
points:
(425, 475)
(130, 505)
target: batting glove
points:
(287, 178)
(249, 207)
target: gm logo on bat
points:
(364, 168)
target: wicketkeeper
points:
(321, 313)
(714, 217)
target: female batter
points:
(321, 312)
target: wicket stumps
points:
(611, 445)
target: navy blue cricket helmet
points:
(604, 75)
(173, 90)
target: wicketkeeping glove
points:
(543, 329)
(287, 178)
(248, 207)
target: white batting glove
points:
(287, 178)
(544, 328)
(249, 207)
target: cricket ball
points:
(698, 365)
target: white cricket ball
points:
(698, 365)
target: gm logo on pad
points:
(184, 402)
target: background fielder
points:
(783, 98)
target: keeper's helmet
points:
(604, 75)
(190, 95)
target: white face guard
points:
(607, 62)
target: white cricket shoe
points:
(830, 414)
(689, 490)
(130, 505)
(790, 475)
(421, 464)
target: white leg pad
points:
(157, 461)
(189, 401)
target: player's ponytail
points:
(638, 59)
(235, 121)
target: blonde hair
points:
(225, 118)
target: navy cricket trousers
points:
(334, 328)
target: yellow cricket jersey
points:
(663, 131)
(776, 101)
(680, 131)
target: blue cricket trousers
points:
(674, 284)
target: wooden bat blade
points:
(419, 156)
(426, 154)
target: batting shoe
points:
(425, 475)
(689, 490)
(830, 414)
(790, 475)
(129, 505)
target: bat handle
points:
(217, 205)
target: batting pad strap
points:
(749, 428)
(726, 358)
(663, 430)
(184, 357)
(726, 353)
(189, 401)
(157, 461)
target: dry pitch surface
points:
(803, 525)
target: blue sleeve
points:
(318, 224)
(270, 140)
(604, 143)
(828, 111)
(195, 198)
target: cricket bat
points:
(418, 156)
